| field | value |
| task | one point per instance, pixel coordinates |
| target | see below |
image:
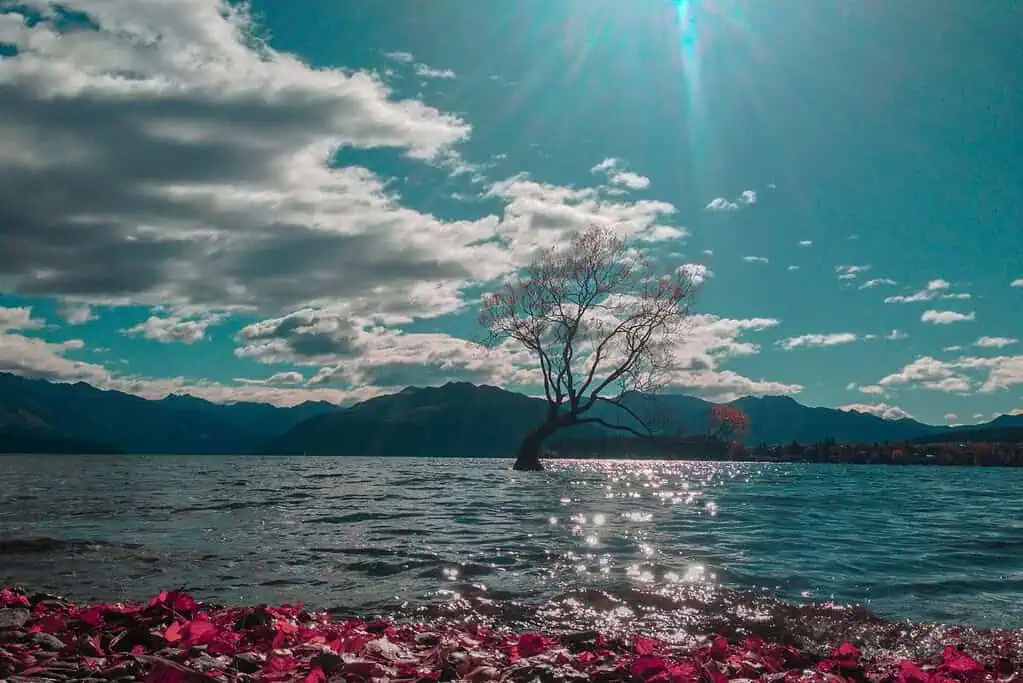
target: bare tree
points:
(601, 325)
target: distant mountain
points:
(461, 419)
(457, 419)
(124, 422)
(42, 442)
(1006, 428)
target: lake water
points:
(670, 548)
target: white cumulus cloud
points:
(946, 317)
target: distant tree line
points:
(713, 447)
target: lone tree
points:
(601, 325)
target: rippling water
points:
(589, 544)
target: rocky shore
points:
(175, 639)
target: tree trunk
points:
(528, 459)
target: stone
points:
(13, 618)
(249, 662)
(47, 641)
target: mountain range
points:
(457, 419)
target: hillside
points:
(461, 419)
(175, 424)
(457, 419)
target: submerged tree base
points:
(528, 465)
(176, 639)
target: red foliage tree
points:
(727, 422)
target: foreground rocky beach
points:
(176, 639)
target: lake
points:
(665, 547)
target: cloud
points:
(946, 317)
(706, 343)
(806, 243)
(851, 272)
(951, 418)
(896, 335)
(541, 215)
(792, 268)
(424, 71)
(872, 389)
(348, 352)
(935, 289)
(77, 314)
(19, 318)
(697, 272)
(186, 330)
(995, 342)
(877, 282)
(618, 175)
(166, 155)
(722, 204)
(817, 340)
(929, 373)
(276, 379)
(400, 56)
(999, 372)
(755, 259)
(39, 359)
(882, 410)
(1017, 283)
(719, 204)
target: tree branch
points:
(603, 423)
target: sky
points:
(286, 201)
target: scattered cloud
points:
(277, 379)
(882, 410)
(929, 373)
(399, 56)
(540, 215)
(935, 289)
(946, 317)
(19, 318)
(1000, 372)
(619, 176)
(806, 243)
(755, 259)
(851, 272)
(746, 198)
(424, 71)
(722, 204)
(896, 335)
(817, 340)
(951, 419)
(1017, 283)
(872, 389)
(696, 271)
(877, 282)
(77, 314)
(995, 342)
(167, 330)
(792, 268)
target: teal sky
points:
(207, 201)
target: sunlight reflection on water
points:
(365, 535)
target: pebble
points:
(47, 641)
(13, 618)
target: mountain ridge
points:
(457, 418)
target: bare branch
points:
(595, 316)
(608, 425)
